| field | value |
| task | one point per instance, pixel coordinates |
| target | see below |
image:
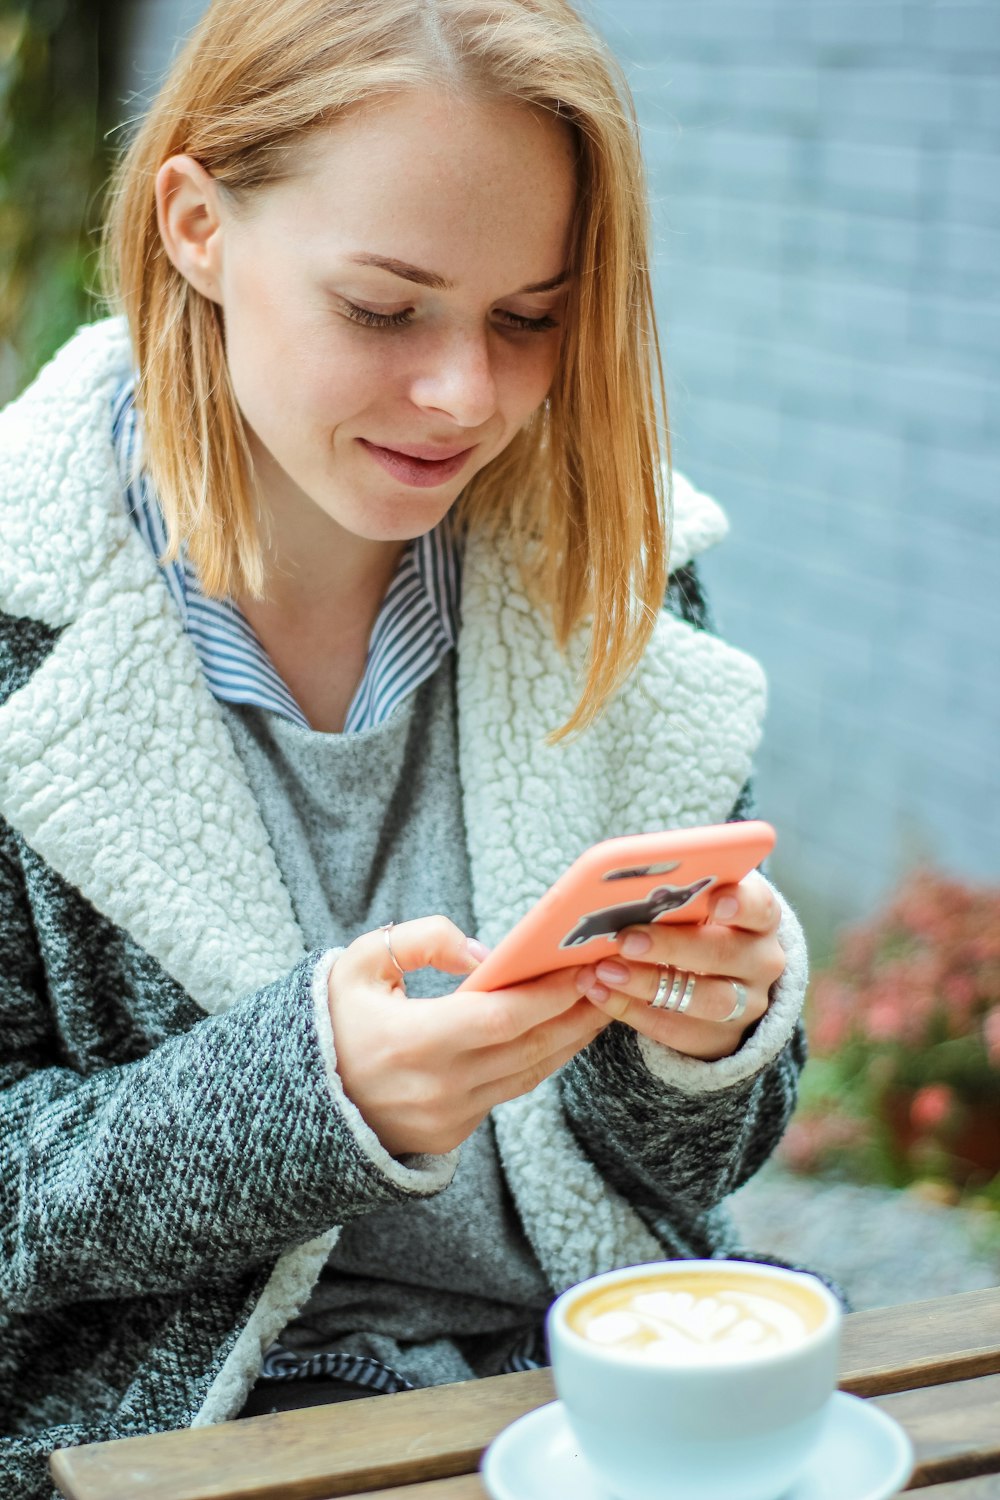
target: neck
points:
(341, 575)
(314, 568)
(322, 593)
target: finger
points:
(479, 1078)
(573, 1029)
(750, 906)
(426, 942)
(711, 997)
(524, 1078)
(704, 1031)
(528, 1075)
(494, 1018)
(707, 948)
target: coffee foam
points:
(697, 1317)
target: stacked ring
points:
(674, 990)
(661, 989)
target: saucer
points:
(861, 1455)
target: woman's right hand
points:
(424, 1073)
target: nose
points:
(457, 378)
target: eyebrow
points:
(439, 283)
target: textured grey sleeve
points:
(221, 1148)
(669, 1151)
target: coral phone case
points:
(623, 882)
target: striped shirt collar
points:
(416, 627)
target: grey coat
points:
(176, 1151)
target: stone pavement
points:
(880, 1245)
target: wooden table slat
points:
(318, 1453)
(986, 1487)
(955, 1429)
(321, 1453)
(470, 1487)
(922, 1343)
(463, 1487)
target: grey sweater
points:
(177, 1158)
(367, 828)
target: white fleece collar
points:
(115, 763)
(673, 749)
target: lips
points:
(420, 465)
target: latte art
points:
(698, 1319)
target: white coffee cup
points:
(701, 1380)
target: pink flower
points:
(931, 1106)
(885, 1019)
(831, 1016)
(811, 1140)
(960, 991)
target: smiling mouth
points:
(417, 467)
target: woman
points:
(331, 579)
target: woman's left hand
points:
(733, 957)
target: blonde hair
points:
(580, 490)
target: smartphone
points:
(623, 882)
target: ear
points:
(188, 211)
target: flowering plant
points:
(904, 1028)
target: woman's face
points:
(392, 310)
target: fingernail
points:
(476, 950)
(584, 979)
(726, 908)
(598, 992)
(636, 943)
(612, 972)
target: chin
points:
(402, 519)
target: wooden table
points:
(934, 1366)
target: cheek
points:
(336, 380)
(262, 359)
(289, 371)
(527, 377)
(282, 353)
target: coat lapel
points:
(695, 706)
(115, 763)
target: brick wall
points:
(826, 181)
(826, 188)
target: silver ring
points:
(692, 980)
(661, 989)
(681, 991)
(741, 1003)
(388, 943)
(675, 989)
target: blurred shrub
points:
(904, 1025)
(54, 77)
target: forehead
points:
(436, 180)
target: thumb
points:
(425, 942)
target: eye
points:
(528, 325)
(369, 319)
